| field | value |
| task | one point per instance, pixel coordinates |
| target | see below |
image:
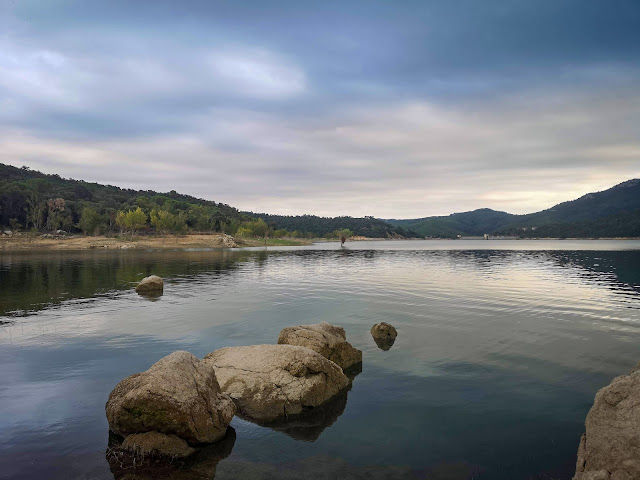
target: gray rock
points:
(328, 340)
(610, 447)
(178, 395)
(150, 284)
(268, 382)
(154, 443)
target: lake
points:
(501, 348)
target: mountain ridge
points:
(591, 215)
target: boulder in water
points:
(178, 395)
(328, 340)
(269, 382)
(384, 334)
(150, 284)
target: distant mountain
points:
(611, 213)
(477, 222)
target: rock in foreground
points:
(178, 395)
(610, 447)
(384, 334)
(152, 284)
(268, 382)
(328, 340)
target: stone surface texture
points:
(610, 447)
(178, 395)
(154, 443)
(269, 382)
(328, 340)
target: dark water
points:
(499, 354)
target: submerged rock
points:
(328, 340)
(178, 395)
(154, 443)
(152, 283)
(268, 382)
(610, 447)
(126, 464)
(384, 334)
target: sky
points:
(395, 109)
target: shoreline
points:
(29, 242)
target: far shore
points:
(29, 241)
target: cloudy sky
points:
(386, 108)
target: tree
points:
(121, 221)
(55, 207)
(135, 220)
(132, 221)
(90, 221)
(165, 222)
(343, 234)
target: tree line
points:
(38, 202)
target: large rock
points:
(268, 382)
(610, 447)
(151, 284)
(328, 340)
(384, 334)
(178, 395)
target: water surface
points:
(501, 348)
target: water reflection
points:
(384, 343)
(500, 355)
(201, 465)
(151, 296)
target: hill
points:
(37, 201)
(321, 226)
(611, 213)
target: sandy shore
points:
(79, 242)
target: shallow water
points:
(501, 348)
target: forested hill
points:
(31, 200)
(322, 226)
(611, 213)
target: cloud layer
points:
(392, 110)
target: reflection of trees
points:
(34, 281)
(201, 465)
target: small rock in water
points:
(326, 339)
(150, 284)
(384, 334)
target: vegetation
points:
(39, 202)
(611, 213)
(325, 226)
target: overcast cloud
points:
(392, 109)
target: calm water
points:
(501, 348)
